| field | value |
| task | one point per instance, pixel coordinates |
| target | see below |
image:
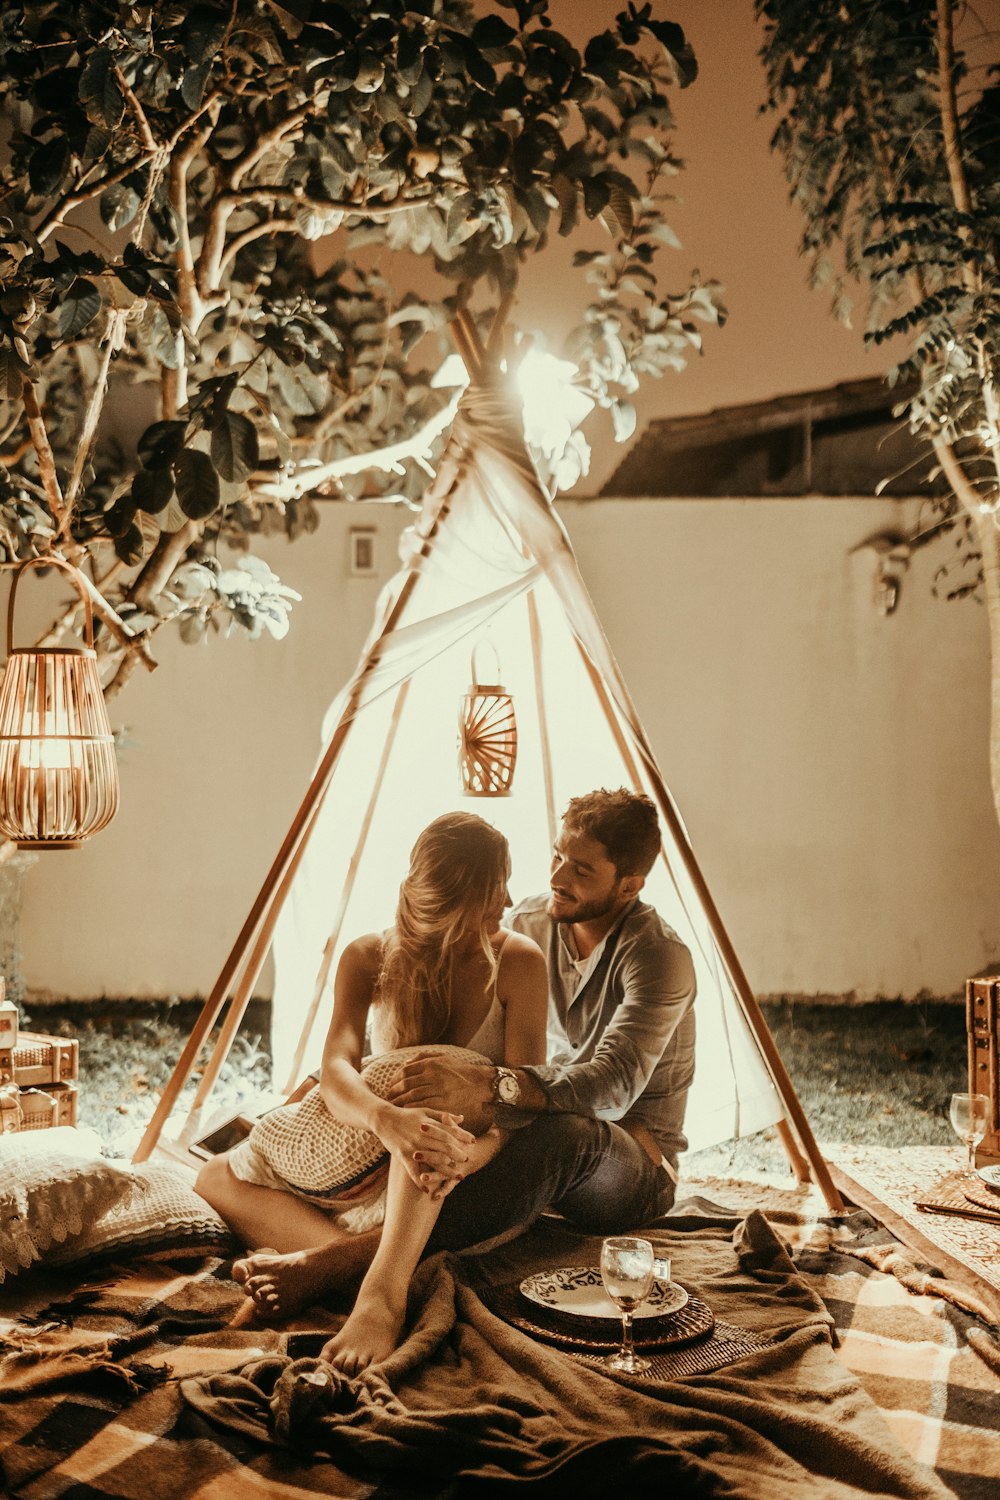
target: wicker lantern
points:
(58, 773)
(487, 736)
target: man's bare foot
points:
(370, 1335)
(282, 1285)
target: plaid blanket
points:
(144, 1386)
(919, 1345)
(926, 1350)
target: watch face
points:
(508, 1089)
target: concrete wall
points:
(830, 763)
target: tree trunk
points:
(988, 537)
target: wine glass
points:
(627, 1273)
(969, 1115)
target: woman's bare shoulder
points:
(521, 956)
(363, 955)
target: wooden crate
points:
(39, 1109)
(982, 1013)
(39, 1059)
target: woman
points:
(444, 973)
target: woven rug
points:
(903, 1177)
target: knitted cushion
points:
(319, 1156)
(165, 1215)
(50, 1196)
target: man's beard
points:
(587, 911)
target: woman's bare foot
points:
(282, 1285)
(370, 1334)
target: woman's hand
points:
(440, 1176)
(411, 1134)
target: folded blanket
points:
(468, 1400)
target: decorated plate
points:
(990, 1175)
(579, 1292)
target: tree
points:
(169, 170)
(890, 144)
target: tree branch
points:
(137, 110)
(73, 199)
(949, 112)
(88, 432)
(963, 202)
(390, 459)
(130, 641)
(349, 208)
(165, 557)
(43, 450)
(272, 137)
(267, 226)
(964, 490)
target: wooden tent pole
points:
(243, 991)
(447, 477)
(242, 994)
(543, 722)
(741, 985)
(798, 1162)
(347, 890)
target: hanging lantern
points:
(487, 736)
(58, 773)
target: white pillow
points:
(50, 1191)
(164, 1215)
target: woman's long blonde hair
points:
(458, 868)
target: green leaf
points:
(119, 206)
(568, 193)
(79, 308)
(623, 417)
(673, 41)
(203, 33)
(491, 32)
(535, 207)
(193, 84)
(160, 444)
(47, 167)
(134, 278)
(595, 196)
(197, 484)
(12, 372)
(99, 91)
(235, 449)
(152, 490)
(619, 216)
(129, 547)
(408, 57)
(119, 517)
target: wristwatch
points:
(506, 1089)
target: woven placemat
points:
(982, 1195)
(959, 1193)
(724, 1346)
(695, 1320)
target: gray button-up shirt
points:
(621, 1039)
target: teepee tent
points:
(489, 565)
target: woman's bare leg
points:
(307, 1254)
(372, 1331)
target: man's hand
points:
(438, 1083)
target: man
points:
(595, 1132)
(602, 1121)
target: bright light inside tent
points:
(553, 406)
(451, 375)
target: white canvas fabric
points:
(494, 549)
